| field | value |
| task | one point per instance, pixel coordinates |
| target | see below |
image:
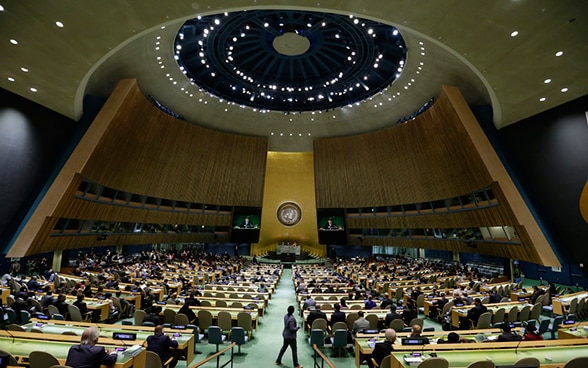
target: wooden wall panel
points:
(442, 153)
(428, 158)
(146, 151)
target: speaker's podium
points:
(288, 257)
(288, 252)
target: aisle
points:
(263, 349)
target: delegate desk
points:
(363, 350)
(55, 327)
(575, 331)
(553, 355)
(93, 304)
(562, 303)
(20, 345)
(462, 311)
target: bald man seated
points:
(417, 332)
(383, 349)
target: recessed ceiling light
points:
(13, 41)
(33, 89)
(559, 53)
(514, 33)
(11, 79)
(548, 80)
(24, 69)
(59, 24)
(565, 89)
(542, 99)
(1, 8)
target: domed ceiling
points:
(297, 72)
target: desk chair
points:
(197, 336)
(15, 327)
(485, 321)
(11, 314)
(482, 364)
(75, 314)
(244, 320)
(578, 362)
(11, 359)
(397, 325)
(385, 363)
(434, 363)
(169, 316)
(373, 320)
(138, 317)
(528, 361)
(152, 360)
(181, 319)
(215, 336)
(416, 321)
(42, 359)
(238, 336)
(204, 320)
(317, 337)
(224, 321)
(339, 340)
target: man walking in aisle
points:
(289, 335)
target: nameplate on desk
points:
(131, 336)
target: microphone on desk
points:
(11, 335)
(518, 344)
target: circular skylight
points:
(290, 60)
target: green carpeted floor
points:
(263, 349)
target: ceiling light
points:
(514, 34)
(547, 81)
(24, 69)
(59, 24)
(565, 89)
(542, 99)
(33, 89)
(13, 41)
(11, 79)
(559, 53)
(1, 8)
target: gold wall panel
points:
(584, 202)
(289, 177)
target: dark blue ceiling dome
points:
(289, 60)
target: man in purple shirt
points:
(289, 335)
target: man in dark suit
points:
(87, 354)
(315, 314)
(383, 349)
(161, 345)
(337, 315)
(392, 315)
(508, 335)
(475, 313)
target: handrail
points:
(323, 356)
(215, 355)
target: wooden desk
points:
(55, 327)
(550, 356)
(363, 351)
(457, 312)
(575, 331)
(560, 304)
(20, 346)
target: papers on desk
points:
(413, 361)
(133, 350)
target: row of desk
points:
(482, 346)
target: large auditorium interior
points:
(294, 183)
